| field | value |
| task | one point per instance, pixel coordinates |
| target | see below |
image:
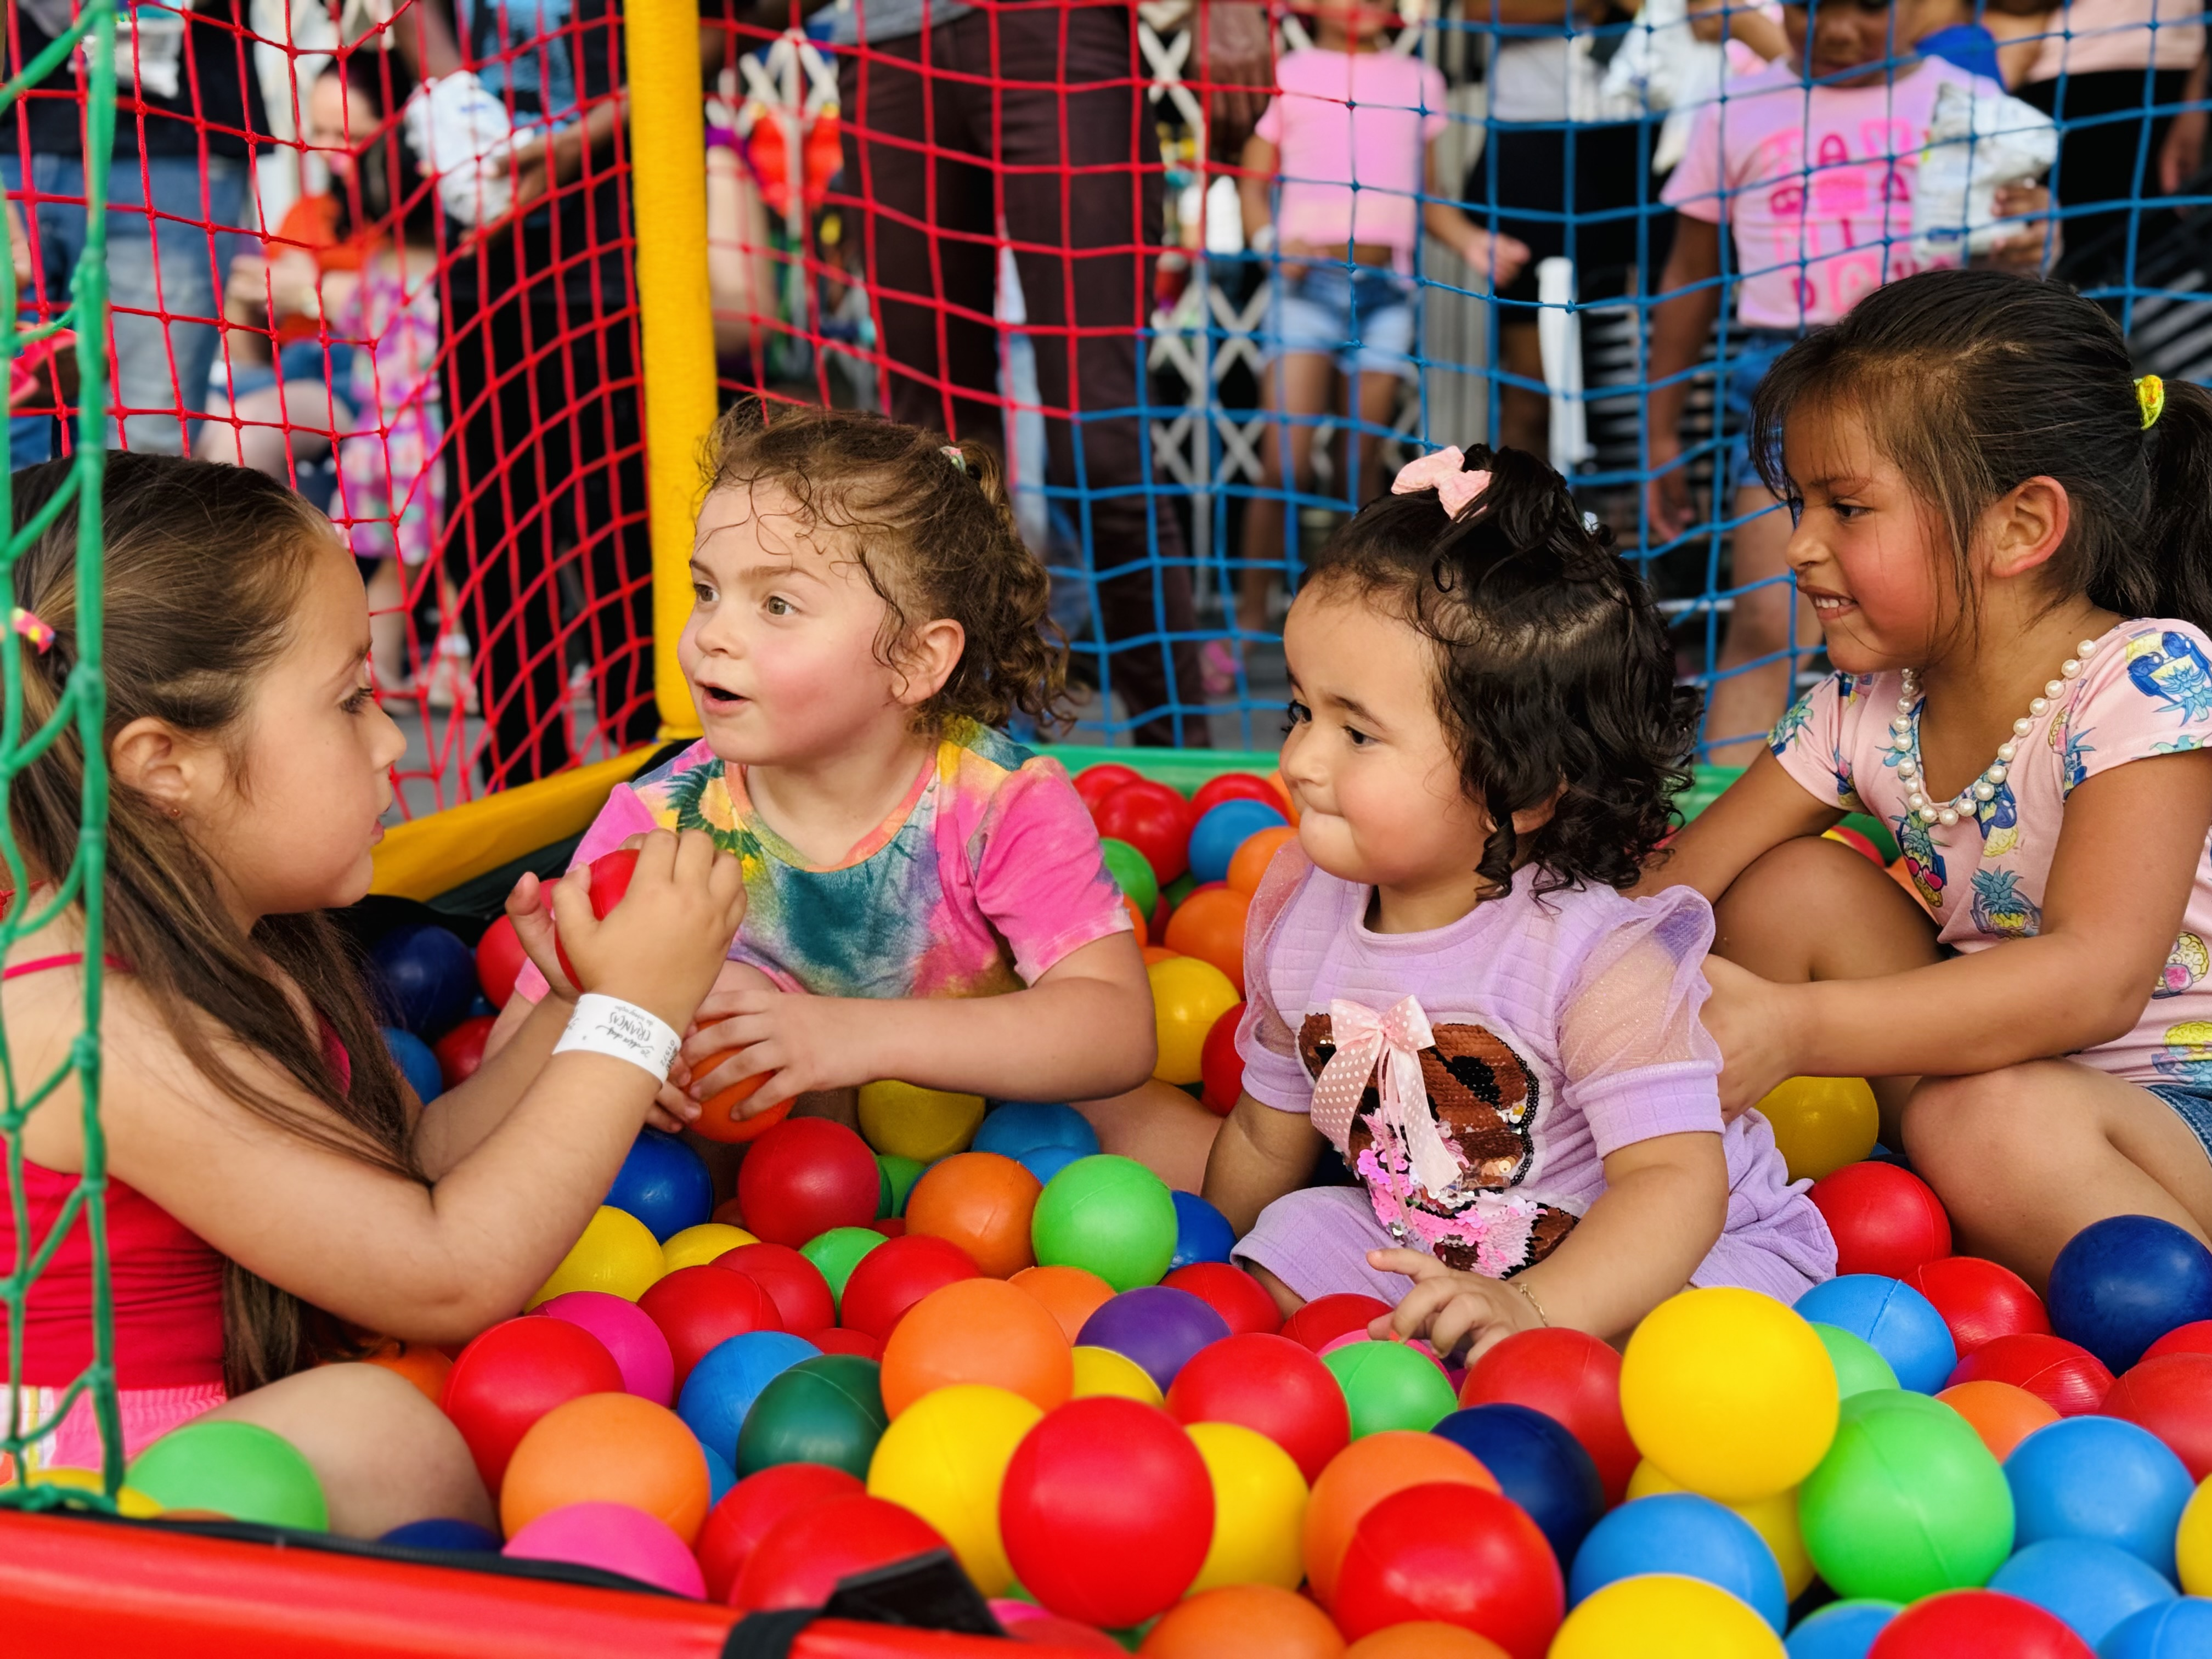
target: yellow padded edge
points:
(423, 858)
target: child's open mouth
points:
(1829, 606)
(716, 698)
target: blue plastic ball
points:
(2172, 1629)
(665, 1184)
(1842, 1630)
(2098, 1478)
(1892, 1318)
(443, 1533)
(2090, 1585)
(1046, 1162)
(723, 1386)
(720, 1477)
(2122, 1283)
(1202, 1232)
(426, 976)
(1224, 829)
(416, 1063)
(1679, 1532)
(1022, 1126)
(1540, 1465)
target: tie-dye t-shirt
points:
(985, 874)
(2147, 690)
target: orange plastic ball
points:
(1425, 1639)
(607, 1448)
(1210, 926)
(719, 1119)
(1290, 803)
(2000, 1413)
(1072, 1295)
(1160, 952)
(1253, 858)
(1361, 1476)
(1136, 919)
(1243, 1621)
(982, 1202)
(978, 1330)
(421, 1364)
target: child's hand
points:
(533, 927)
(661, 947)
(1450, 1308)
(803, 1043)
(1499, 256)
(1750, 1019)
(2034, 244)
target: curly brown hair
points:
(929, 523)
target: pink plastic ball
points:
(640, 1351)
(614, 1538)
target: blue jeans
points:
(1751, 353)
(2192, 1104)
(165, 278)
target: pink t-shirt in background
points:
(2091, 35)
(1344, 119)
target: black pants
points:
(947, 131)
(2104, 128)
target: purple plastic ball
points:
(1157, 1327)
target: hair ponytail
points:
(2178, 539)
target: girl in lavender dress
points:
(1448, 983)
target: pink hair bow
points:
(1441, 472)
(1387, 1047)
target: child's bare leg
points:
(1159, 1126)
(1287, 1300)
(2026, 1158)
(1296, 389)
(1766, 621)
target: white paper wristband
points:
(608, 1025)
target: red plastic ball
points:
(890, 1226)
(1107, 1511)
(894, 1276)
(2171, 1396)
(2196, 1337)
(1572, 1378)
(611, 879)
(799, 1563)
(1973, 1621)
(461, 1050)
(804, 1176)
(1979, 1300)
(1272, 1385)
(1095, 783)
(1232, 1293)
(700, 1308)
(755, 1507)
(1458, 1555)
(512, 1375)
(1326, 1318)
(2065, 1375)
(500, 957)
(1220, 1066)
(795, 1285)
(1886, 1220)
(836, 1339)
(1233, 786)
(1155, 820)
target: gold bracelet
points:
(1541, 1318)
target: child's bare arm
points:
(1255, 185)
(1259, 1155)
(1755, 814)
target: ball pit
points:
(1222, 828)
(1220, 1068)
(804, 1176)
(798, 1562)
(1842, 1630)
(2171, 1396)
(1774, 1519)
(1158, 1328)
(1272, 1386)
(1259, 1510)
(1202, 1232)
(1683, 1533)
(614, 1538)
(1977, 1621)
(699, 1308)
(1154, 819)
(611, 1448)
(1538, 1464)
(837, 1252)
(1443, 1552)
(1245, 1621)
(1859, 1367)
(616, 1253)
(425, 977)
(977, 1330)
(1101, 1371)
(240, 1470)
(723, 1386)
(1573, 1379)
(1070, 1295)
(663, 1183)
(2196, 1337)
(1110, 1216)
(499, 961)
(2065, 1375)
(1209, 927)
(1979, 1300)
(889, 1279)
(1363, 1475)
(2089, 1586)
(2002, 1414)
(1188, 996)
(2171, 1630)
(418, 1062)
(1244, 1304)
(2192, 1544)
(1327, 1318)
(801, 1295)
(512, 1375)
(1821, 1123)
(442, 1534)
(757, 1506)
(1389, 1385)
(1886, 1220)
(1892, 1318)
(946, 1460)
(1424, 1638)
(2098, 1478)
(701, 1245)
(1019, 1127)
(2122, 1283)
(1664, 1616)
(982, 1202)
(827, 1410)
(461, 1050)
(907, 1121)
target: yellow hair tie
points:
(2150, 393)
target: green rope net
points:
(83, 705)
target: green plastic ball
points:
(1859, 1368)
(1389, 1385)
(1109, 1215)
(1133, 873)
(239, 1469)
(836, 1253)
(897, 1175)
(1908, 1502)
(829, 1410)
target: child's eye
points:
(1796, 505)
(363, 696)
(1846, 510)
(1294, 714)
(777, 605)
(1359, 738)
(703, 593)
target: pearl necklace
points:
(1905, 739)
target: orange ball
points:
(719, 1119)
(1243, 1621)
(2002, 1414)
(1210, 926)
(978, 1330)
(1253, 857)
(607, 1448)
(419, 1363)
(982, 1202)
(1136, 918)
(1425, 1639)
(1072, 1295)
(1361, 1476)
(1275, 782)
(1160, 952)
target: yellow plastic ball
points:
(1259, 1510)
(1729, 1393)
(1662, 1615)
(1821, 1123)
(1774, 1519)
(1187, 996)
(696, 1247)
(1101, 1371)
(944, 1457)
(129, 1501)
(617, 1252)
(903, 1119)
(2192, 1544)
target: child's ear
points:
(2027, 525)
(165, 766)
(927, 657)
(1529, 819)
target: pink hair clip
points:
(1441, 472)
(38, 633)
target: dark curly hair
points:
(1554, 673)
(929, 523)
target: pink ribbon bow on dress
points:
(1442, 472)
(1387, 1047)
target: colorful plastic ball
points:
(799, 1563)
(978, 1330)
(1977, 1621)
(1389, 1385)
(1893, 1318)
(1101, 1371)
(2063, 1375)
(1210, 927)
(417, 1063)
(1774, 1519)
(1664, 1616)
(1233, 786)
(1979, 1300)
(2092, 1586)
(835, 1254)
(1885, 1219)
(1221, 830)
(1202, 1232)
(1046, 1162)
(1158, 1328)
(1243, 1621)
(2178, 1629)
(836, 1339)
(238, 1470)
(1729, 1392)
(1859, 1367)
(804, 1176)
(1106, 1510)
(500, 957)
(2098, 1478)
(2196, 1337)
(1070, 1295)
(1908, 1502)
(427, 1368)
(721, 1115)
(2171, 1396)
(1152, 819)
(1220, 1068)
(1095, 783)
(425, 978)
(1249, 866)
(703, 1245)
(1244, 1304)
(607, 1448)
(2192, 1544)
(699, 1308)
(2122, 1283)
(895, 1183)
(663, 1183)
(1259, 1510)
(1842, 1630)
(945, 1459)
(757, 1506)
(1131, 873)
(616, 1253)
(614, 1538)
(2002, 1414)
(1443, 1552)
(825, 1410)
(1682, 1533)
(721, 1475)
(442, 1533)
(1110, 1216)
(801, 1295)
(890, 1280)
(723, 1386)
(982, 1202)
(512, 1375)
(1538, 1464)
(1272, 1385)
(1822, 1124)
(1361, 1476)
(461, 1050)
(611, 876)
(1572, 1377)
(1019, 1126)
(1424, 1638)
(908, 1121)
(1188, 996)
(1327, 1318)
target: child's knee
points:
(1959, 1131)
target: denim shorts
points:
(1362, 316)
(2192, 1104)
(1751, 353)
